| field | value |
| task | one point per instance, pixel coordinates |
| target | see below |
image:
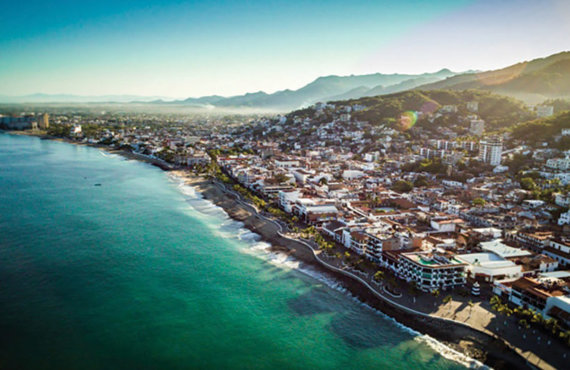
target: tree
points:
(323, 181)
(435, 293)
(402, 186)
(379, 275)
(479, 202)
(421, 181)
(447, 299)
(527, 183)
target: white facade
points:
(287, 198)
(558, 163)
(564, 219)
(490, 151)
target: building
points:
(559, 249)
(473, 106)
(548, 294)
(43, 121)
(26, 122)
(490, 150)
(564, 219)
(490, 266)
(477, 127)
(562, 164)
(431, 270)
(287, 198)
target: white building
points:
(473, 106)
(562, 164)
(563, 200)
(490, 151)
(352, 174)
(502, 250)
(287, 163)
(564, 219)
(490, 266)
(559, 250)
(287, 198)
(431, 271)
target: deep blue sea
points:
(142, 273)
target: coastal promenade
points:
(537, 352)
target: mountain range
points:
(322, 89)
(531, 81)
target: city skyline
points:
(182, 49)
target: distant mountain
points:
(532, 81)
(324, 89)
(68, 98)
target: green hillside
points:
(531, 81)
(497, 111)
(544, 130)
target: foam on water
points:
(229, 228)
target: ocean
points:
(109, 263)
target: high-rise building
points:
(490, 150)
(43, 121)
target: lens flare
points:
(408, 120)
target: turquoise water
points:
(140, 273)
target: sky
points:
(194, 48)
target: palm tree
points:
(537, 318)
(524, 323)
(379, 275)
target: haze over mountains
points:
(70, 98)
(531, 81)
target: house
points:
(559, 249)
(446, 225)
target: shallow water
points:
(141, 272)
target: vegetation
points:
(379, 276)
(497, 111)
(402, 186)
(479, 202)
(544, 130)
(528, 317)
(59, 130)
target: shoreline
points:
(470, 342)
(467, 341)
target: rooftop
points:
(499, 248)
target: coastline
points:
(468, 341)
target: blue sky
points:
(193, 48)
